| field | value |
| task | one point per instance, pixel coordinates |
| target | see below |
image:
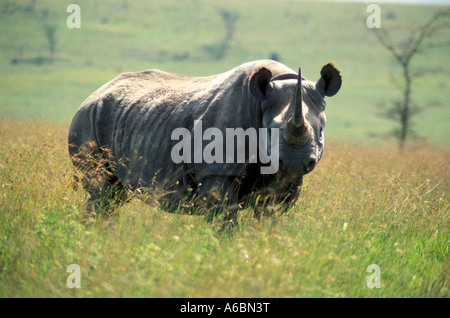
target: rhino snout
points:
(309, 166)
(298, 167)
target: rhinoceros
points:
(127, 137)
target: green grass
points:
(353, 212)
(130, 36)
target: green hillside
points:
(186, 37)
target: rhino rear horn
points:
(330, 80)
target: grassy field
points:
(361, 206)
(366, 202)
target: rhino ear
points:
(330, 80)
(259, 82)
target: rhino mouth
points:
(292, 172)
(285, 181)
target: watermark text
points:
(235, 146)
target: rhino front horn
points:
(295, 127)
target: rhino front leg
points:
(218, 196)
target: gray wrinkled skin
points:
(120, 137)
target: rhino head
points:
(296, 107)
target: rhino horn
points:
(296, 128)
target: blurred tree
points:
(229, 18)
(50, 35)
(403, 110)
(274, 56)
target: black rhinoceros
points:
(256, 129)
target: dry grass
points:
(362, 205)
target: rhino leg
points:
(95, 170)
(271, 201)
(106, 195)
(218, 196)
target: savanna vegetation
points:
(365, 203)
(352, 213)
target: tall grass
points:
(360, 206)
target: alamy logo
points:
(74, 19)
(213, 152)
(74, 279)
(374, 19)
(374, 280)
